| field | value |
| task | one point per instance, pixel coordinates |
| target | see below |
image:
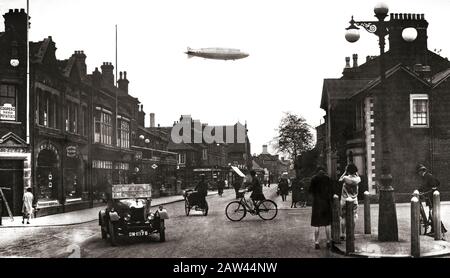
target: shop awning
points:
(236, 169)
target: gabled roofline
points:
(447, 75)
(375, 82)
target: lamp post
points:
(387, 219)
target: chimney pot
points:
(120, 75)
(347, 62)
(124, 75)
(355, 60)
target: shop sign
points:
(7, 112)
(154, 166)
(71, 151)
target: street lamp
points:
(387, 219)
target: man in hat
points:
(429, 185)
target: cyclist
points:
(429, 185)
(256, 189)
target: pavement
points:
(79, 216)
(367, 245)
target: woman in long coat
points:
(321, 190)
(27, 207)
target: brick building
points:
(416, 117)
(208, 156)
(85, 131)
(15, 153)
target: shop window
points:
(419, 110)
(123, 133)
(103, 128)
(8, 102)
(74, 182)
(102, 179)
(47, 178)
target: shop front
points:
(15, 171)
(61, 178)
(110, 167)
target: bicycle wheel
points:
(235, 211)
(267, 209)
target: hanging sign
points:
(71, 151)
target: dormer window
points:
(419, 110)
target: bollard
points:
(367, 224)
(437, 215)
(349, 226)
(415, 227)
(336, 223)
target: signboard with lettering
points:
(131, 191)
(7, 112)
(71, 151)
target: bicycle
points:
(425, 221)
(236, 210)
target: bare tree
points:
(294, 136)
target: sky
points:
(293, 46)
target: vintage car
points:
(128, 214)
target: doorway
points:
(11, 178)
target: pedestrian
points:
(429, 185)
(350, 180)
(237, 185)
(27, 207)
(296, 188)
(321, 191)
(283, 185)
(220, 186)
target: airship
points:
(216, 53)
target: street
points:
(289, 235)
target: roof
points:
(388, 74)
(255, 166)
(440, 77)
(340, 89)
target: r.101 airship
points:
(216, 53)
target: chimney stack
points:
(80, 61)
(152, 119)
(16, 21)
(347, 62)
(107, 74)
(264, 151)
(355, 60)
(141, 116)
(96, 78)
(123, 82)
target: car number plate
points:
(139, 233)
